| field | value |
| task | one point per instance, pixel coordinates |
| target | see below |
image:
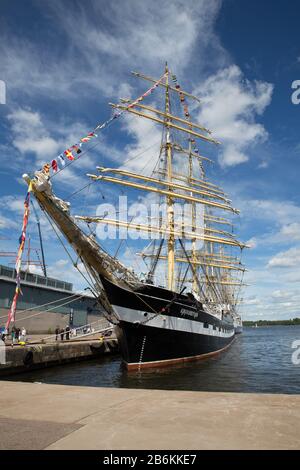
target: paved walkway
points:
(40, 416)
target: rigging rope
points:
(62, 243)
(87, 325)
(192, 268)
(77, 147)
(44, 305)
(50, 309)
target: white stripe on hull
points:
(168, 322)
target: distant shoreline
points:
(294, 321)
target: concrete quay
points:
(54, 417)
(40, 355)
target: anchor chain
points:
(142, 353)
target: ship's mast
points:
(170, 202)
(207, 266)
(176, 180)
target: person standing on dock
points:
(13, 336)
(67, 332)
(56, 333)
(23, 335)
(18, 333)
(62, 334)
(4, 334)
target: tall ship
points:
(185, 306)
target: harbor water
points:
(260, 360)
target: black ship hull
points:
(146, 346)
(238, 329)
(158, 327)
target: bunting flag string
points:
(61, 161)
(185, 109)
(58, 164)
(22, 239)
(54, 165)
(69, 155)
(73, 152)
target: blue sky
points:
(64, 61)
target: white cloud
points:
(142, 154)
(286, 259)
(230, 106)
(7, 223)
(62, 269)
(105, 40)
(272, 221)
(290, 232)
(128, 34)
(30, 135)
(271, 291)
(253, 300)
(109, 39)
(252, 243)
(281, 294)
(263, 164)
(281, 212)
(33, 134)
(12, 203)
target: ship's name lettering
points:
(184, 311)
